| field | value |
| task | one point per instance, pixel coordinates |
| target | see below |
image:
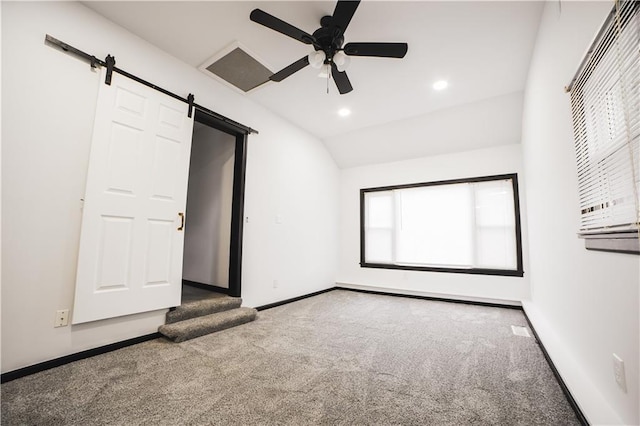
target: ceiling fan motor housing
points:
(328, 38)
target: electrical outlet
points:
(275, 283)
(618, 372)
(62, 318)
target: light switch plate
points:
(62, 318)
(618, 372)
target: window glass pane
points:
(495, 225)
(435, 226)
(379, 209)
(379, 227)
(494, 203)
(496, 248)
(378, 246)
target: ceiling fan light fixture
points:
(341, 60)
(325, 71)
(316, 58)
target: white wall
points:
(291, 217)
(584, 304)
(484, 162)
(207, 236)
(48, 104)
(487, 123)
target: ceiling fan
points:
(328, 42)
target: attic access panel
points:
(237, 67)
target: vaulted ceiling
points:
(481, 48)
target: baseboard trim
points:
(433, 298)
(385, 293)
(574, 404)
(206, 286)
(293, 299)
(57, 362)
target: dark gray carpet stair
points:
(199, 326)
(205, 316)
(202, 307)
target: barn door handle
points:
(181, 221)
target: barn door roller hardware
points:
(110, 63)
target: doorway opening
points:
(212, 261)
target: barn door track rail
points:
(110, 63)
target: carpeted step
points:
(202, 307)
(199, 326)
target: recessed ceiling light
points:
(343, 112)
(440, 85)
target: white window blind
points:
(464, 225)
(379, 220)
(605, 102)
(434, 226)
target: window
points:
(466, 225)
(605, 103)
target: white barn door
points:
(131, 242)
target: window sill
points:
(619, 242)
(473, 271)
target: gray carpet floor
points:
(194, 294)
(340, 358)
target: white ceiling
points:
(482, 48)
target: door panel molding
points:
(131, 250)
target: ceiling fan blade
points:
(343, 13)
(270, 21)
(287, 71)
(382, 50)
(341, 80)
